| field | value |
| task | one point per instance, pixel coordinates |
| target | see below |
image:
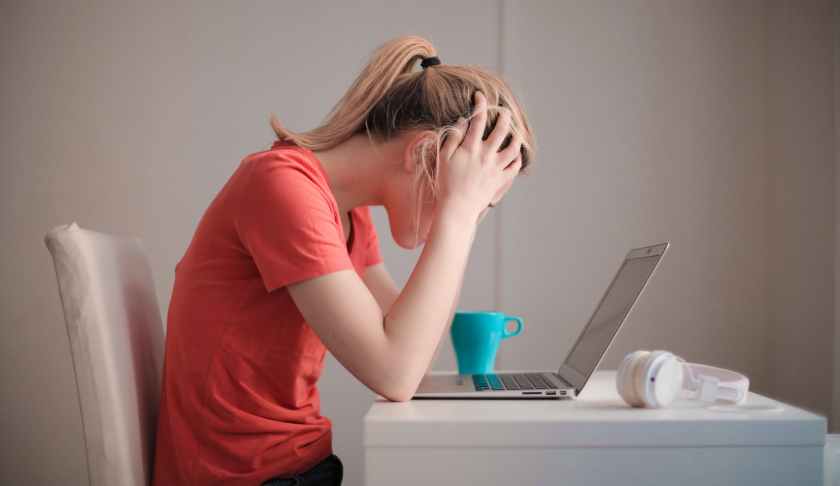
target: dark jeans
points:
(328, 472)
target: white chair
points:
(116, 339)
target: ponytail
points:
(388, 63)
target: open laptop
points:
(580, 363)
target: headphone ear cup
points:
(666, 382)
(621, 378)
(625, 382)
(640, 378)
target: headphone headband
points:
(710, 383)
(655, 378)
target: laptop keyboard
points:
(512, 381)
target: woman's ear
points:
(416, 141)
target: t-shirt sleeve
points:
(373, 254)
(287, 225)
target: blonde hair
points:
(390, 95)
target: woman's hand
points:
(473, 173)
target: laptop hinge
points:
(563, 380)
(572, 377)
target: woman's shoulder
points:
(283, 185)
(283, 154)
(284, 163)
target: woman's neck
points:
(356, 170)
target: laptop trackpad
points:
(445, 383)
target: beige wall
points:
(836, 380)
(801, 188)
(709, 124)
(655, 120)
(650, 119)
(128, 118)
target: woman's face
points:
(410, 207)
(408, 200)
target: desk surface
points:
(597, 418)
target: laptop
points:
(589, 349)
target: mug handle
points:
(519, 326)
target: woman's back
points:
(240, 402)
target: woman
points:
(285, 264)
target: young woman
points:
(285, 264)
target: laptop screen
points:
(605, 322)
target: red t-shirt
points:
(240, 402)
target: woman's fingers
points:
(453, 139)
(478, 122)
(508, 176)
(510, 152)
(512, 170)
(480, 173)
(500, 131)
(483, 213)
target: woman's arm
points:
(381, 285)
(390, 351)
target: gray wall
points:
(708, 124)
(801, 191)
(652, 123)
(836, 415)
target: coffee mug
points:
(476, 337)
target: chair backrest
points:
(116, 339)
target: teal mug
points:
(476, 337)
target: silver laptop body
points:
(589, 349)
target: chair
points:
(116, 340)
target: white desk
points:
(594, 440)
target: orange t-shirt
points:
(240, 402)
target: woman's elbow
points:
(401, 388)
(399, 396)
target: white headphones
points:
(653, 379)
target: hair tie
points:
(430, 61)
